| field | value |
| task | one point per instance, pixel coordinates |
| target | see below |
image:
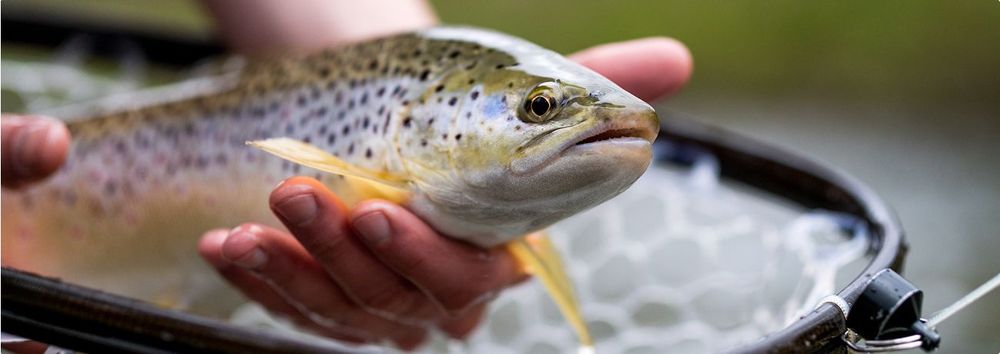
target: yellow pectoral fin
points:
(539, 258)
(364, 182)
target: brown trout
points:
(485, 136)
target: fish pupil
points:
(540, 105)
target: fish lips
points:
(626, 139)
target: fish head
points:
(533, 139)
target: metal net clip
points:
(886, 317)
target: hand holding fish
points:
(379, 272)
(375, 271)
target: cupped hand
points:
(378, 272)
(33, 148)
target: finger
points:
(33, 148)
(318, 220)
(456, 275)
(650, 68)
(257, 290)
(273, 270)
(462, 326)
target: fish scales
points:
(494, 138)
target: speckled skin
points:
(443, 108)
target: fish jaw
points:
(570, 171)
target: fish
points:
(485, 136)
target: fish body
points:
(485, 136)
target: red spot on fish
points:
(24, 233)
(76, 233)
(160, 158)
(132, 217)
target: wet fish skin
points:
(445, 108)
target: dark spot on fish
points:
(395, 90)
(458, 137)
(407, 122)
(341, 115)
(430, 122)
(471, 65)
(332, 138)
(380, 92)
(315, 93)
(425, 74)
(273, 107)
(423, 142)
(365, 122)
(296, 169)
(471, 81)
(454, 54)
(307, 139)
(289, 129)
(444, 136)
(368, 153)
(350, 104)
(346, 130)
(301, 100)
(372, 65)
(321, 111)
(468, 115)
(350, 149)
(499, 66)
(364, 98)
(452, 101)
(324, 72)
(439, 88)
(381, 110)
(517, 127)
(474, 95)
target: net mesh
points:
(681, 262)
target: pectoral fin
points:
(539, 258)
(369, 183)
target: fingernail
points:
(29, 143)
(373, 226)
(243, 249)
(298, 210)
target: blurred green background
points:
(904, 95)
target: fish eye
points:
(540, 105)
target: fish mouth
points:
(634, 131)
(638, 129)
(616, 135)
